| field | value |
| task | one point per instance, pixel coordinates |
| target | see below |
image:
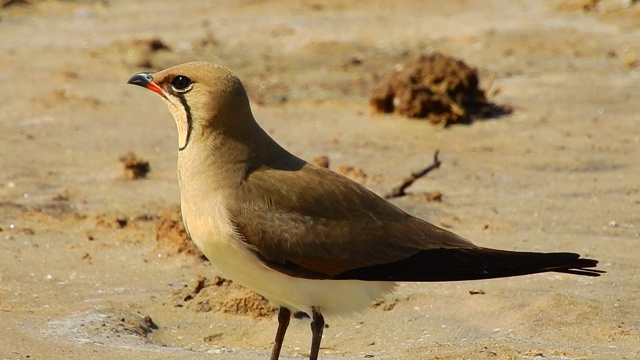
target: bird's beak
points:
(144, 79)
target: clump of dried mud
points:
(222, 295)
(321, 161)
(435, 87)
(354, 173)
(171, 236)
(134, 167)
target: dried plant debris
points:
(435, 87)
(134, 168)
(400, 190)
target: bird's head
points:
(203, 98)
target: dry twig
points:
(399, 191)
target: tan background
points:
(561, 173)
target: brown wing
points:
(315, 223)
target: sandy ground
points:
(83, 276)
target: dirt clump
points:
(321, 161)
(222, 295)
(136, 323)
(249, 303)
(134, 168)
(114, 322)
(430, 196)
(435, 87)
(389, 303)
(354, 173)
(172, 237)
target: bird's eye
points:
(181, 84)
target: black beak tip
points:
(141, 79)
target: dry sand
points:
(89, 263)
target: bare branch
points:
(399, 191)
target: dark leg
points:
(317, 326)
(284, 316)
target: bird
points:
(304, 237)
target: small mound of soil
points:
(105, 326)
(431, 196)
(249, 303)
(134, 168)
(222, 295)
(172, 237)
(435, 87)
(321, 161)
(354, 173)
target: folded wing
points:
(314, 223)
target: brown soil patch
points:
(172, 237)
(430, 196)
(134, 168)
(354, 173)
(222, 295)
(390, 303)
(131, 322)
(321, 161)
(435, 87)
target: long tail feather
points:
(473, 264)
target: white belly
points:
(332, 297)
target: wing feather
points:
(315, 223)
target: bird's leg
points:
(284, 316)
(317, 326)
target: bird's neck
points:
(221, 161)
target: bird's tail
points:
(473, 264)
